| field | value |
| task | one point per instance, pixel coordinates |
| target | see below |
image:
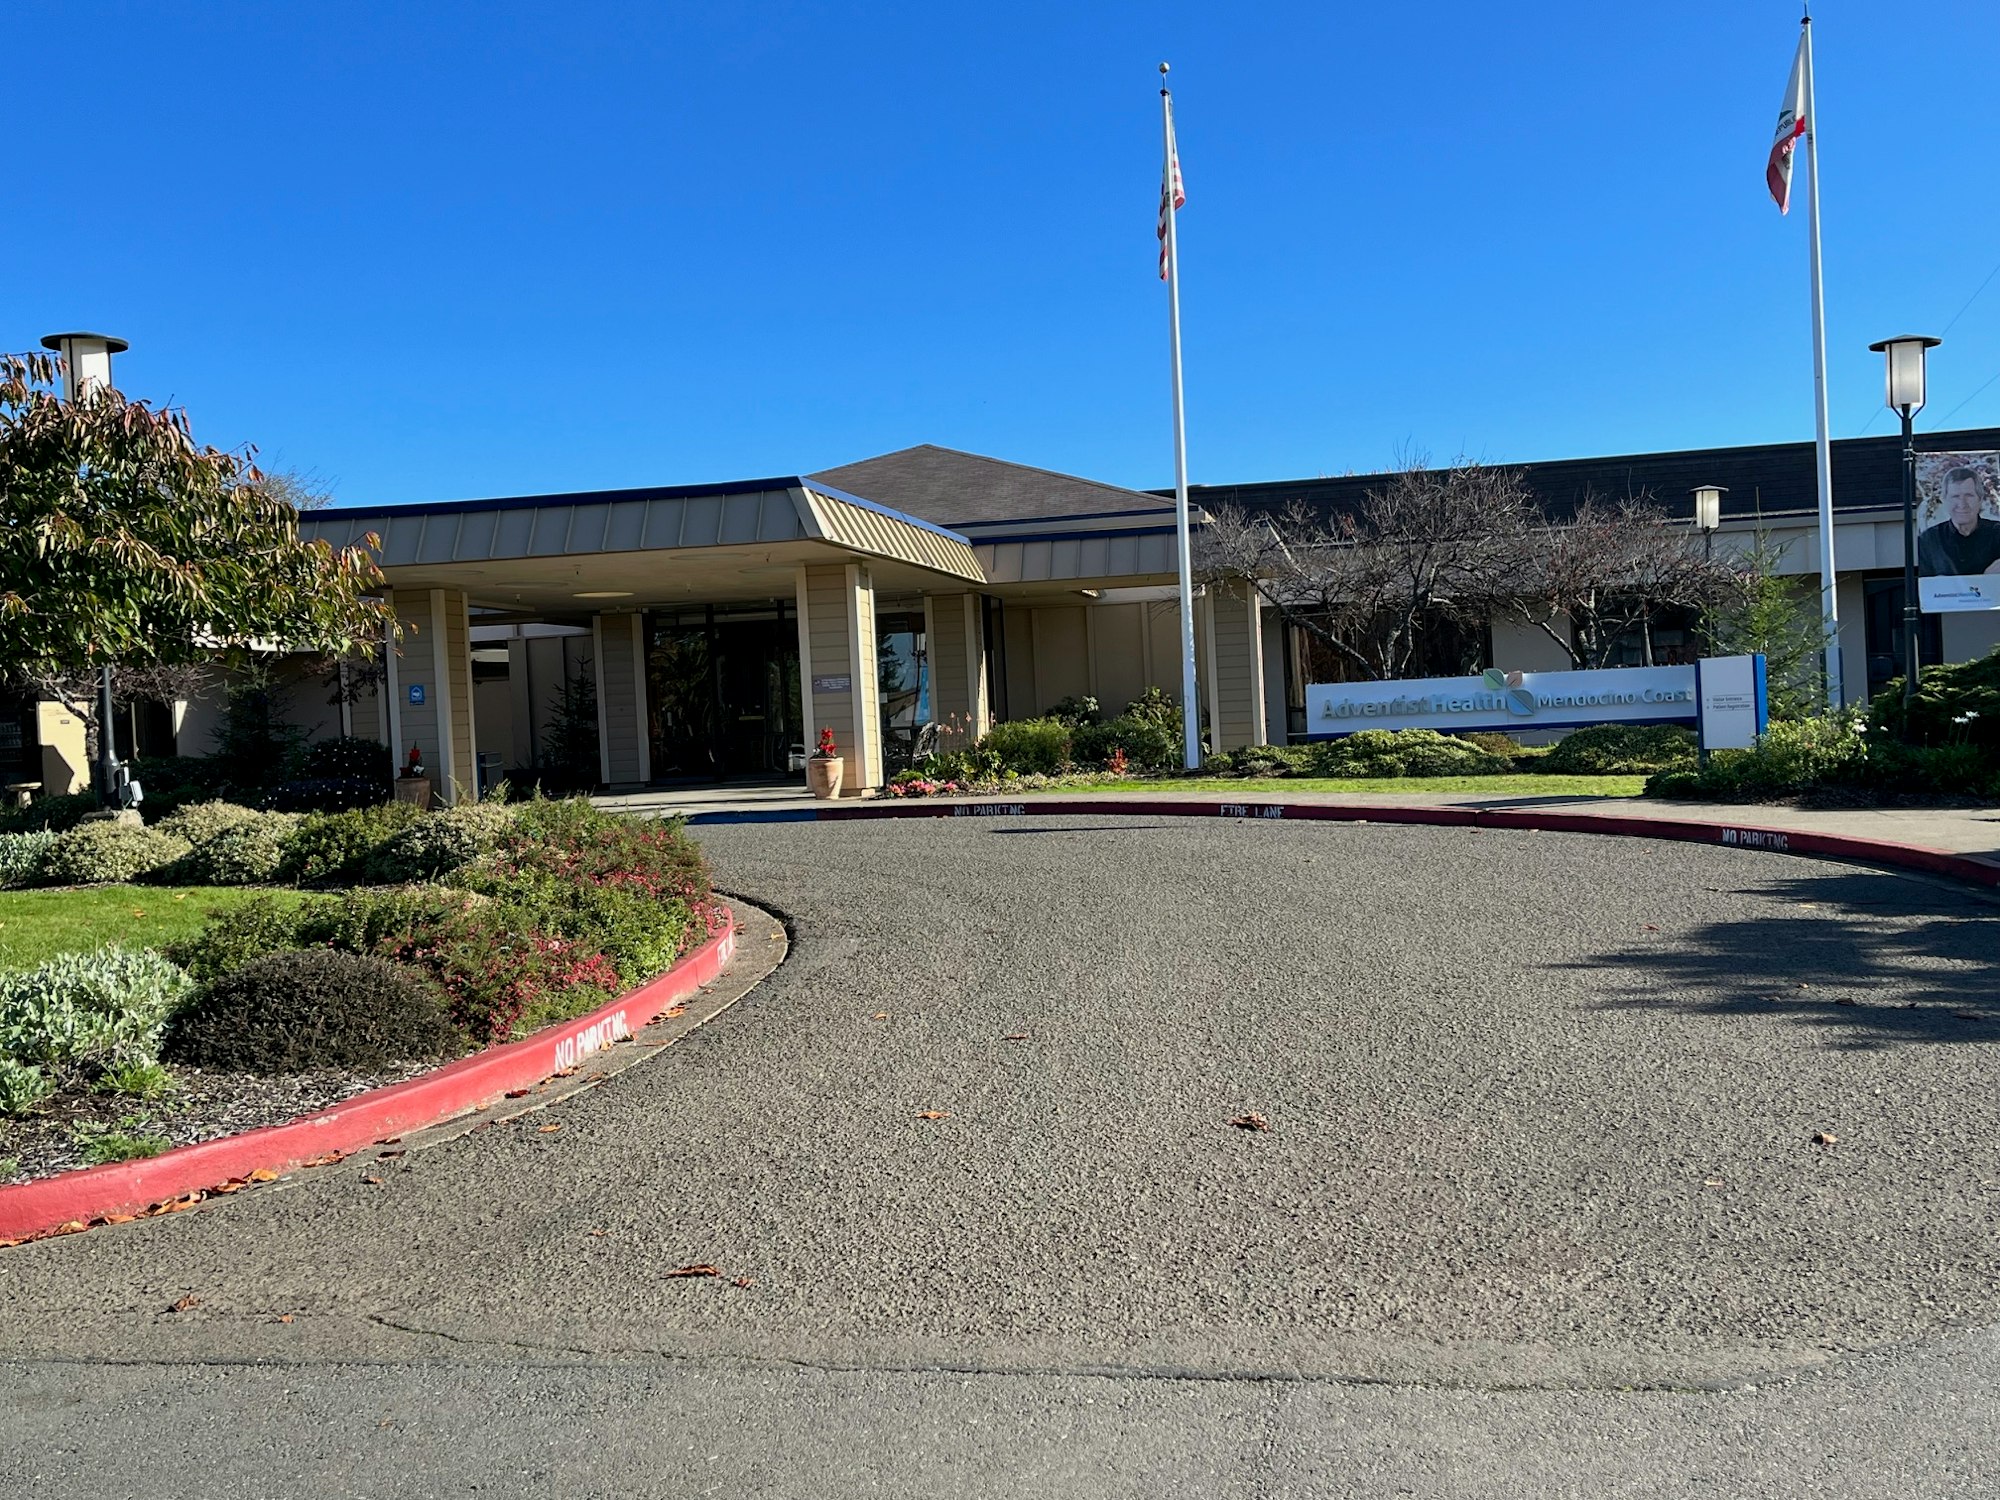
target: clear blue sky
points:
(428, 251)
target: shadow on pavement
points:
(1887, 961)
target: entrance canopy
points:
(655, 547)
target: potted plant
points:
(824, 769)
(413, 785)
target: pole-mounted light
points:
(1903, 389)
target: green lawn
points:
(35, 925)
(1524, 784)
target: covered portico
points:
(817, 559)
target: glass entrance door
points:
(722, 692)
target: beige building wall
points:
(1117, 653)
(65, 750)
(434, 654)
(837, 668)
(1521, 647)
(1060, 655)
(624, 746)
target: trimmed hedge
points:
(295, 1011)
(105, 852)
(1401, 752)
(1620, 750)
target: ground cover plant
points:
(347, 948)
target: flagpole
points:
(1829, 600)
(1190, 706)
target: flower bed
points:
(420, 936)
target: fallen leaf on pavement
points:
(284, 1317)
(545, 1129)
(743, 1281)
(1015, 1036)
(674, 1010)
(1649, 927)
(881, 1015)
(328, 1158)
(1825, 1138)
(933, 1114)
(386, 1155)
(1251, 1121)
(517, 1093)
(190, 1300)
(263, 1174)
(696, 1270)
(372, 1181)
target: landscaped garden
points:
(228, 966)
(1077, 747)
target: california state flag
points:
(1791, 125)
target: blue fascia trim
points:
(882, 510)
(556, 502)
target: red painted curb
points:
(33, 1208)
(1967, 867)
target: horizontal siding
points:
(622, 726)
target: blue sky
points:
(443, 250)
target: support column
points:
(625, 750)
(430, 688)
(956, 641)
(837, 675)
(1236, 669)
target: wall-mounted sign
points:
(1958, 532)
(1735, 707)
(833, 684)
(1506, 700)
(417, 693)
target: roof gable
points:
(951, 488)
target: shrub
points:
(59, 813)
(1791, 758)
(92, 1011)
(351, 757)
(260, 925)
(1148, 744)
(441, 842)
(1157, 706)
(326, 794)
(103, 852)
(1493, 742)
(1620, 750)
(1030, 746)
(294, 1011)
(1078, 709)
(1954, 705)
(22, 856)
(1401, 752)
(198, 822)
(326, 847)
(250, 853)
(138, 1080)
(22, 1087)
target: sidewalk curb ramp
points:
(74, 1200)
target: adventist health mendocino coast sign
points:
(1507, 700)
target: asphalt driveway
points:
(1542, 1113)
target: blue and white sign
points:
(417, 694)
(1506, 700)
(1735, 702)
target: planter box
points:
(823, 775)
(415, 789)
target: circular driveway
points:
(1542, 1110)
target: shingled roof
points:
(1774, 480)
(950, 488)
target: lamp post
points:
(1708, 514)
(86, 361)
(1903, 358)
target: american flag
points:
(1791, 125)
(1173, 194)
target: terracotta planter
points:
(415, 789)
(823, 775)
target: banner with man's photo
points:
(1958, 531)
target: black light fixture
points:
(1708, 514)
(1903, 357)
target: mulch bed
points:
(204, 1107)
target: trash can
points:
(492, 771)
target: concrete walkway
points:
(1956, 830)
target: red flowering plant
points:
(827, 750)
